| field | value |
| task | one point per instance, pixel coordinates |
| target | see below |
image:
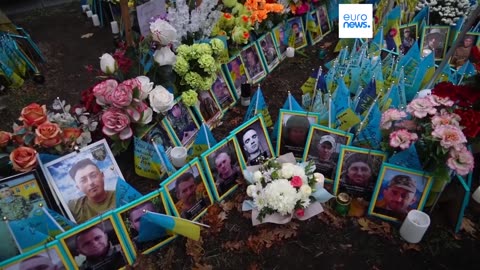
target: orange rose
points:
(34, 114)
(24, 159)
(48, 135)
(71, 134)
(5, 137)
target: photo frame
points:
(252, 62)
(223, 93)
(324, 20)
(222, 166)
(281, 41)
(295, 25)
(111, 248)
(207, 109)
(269, 52)
(181, 124)
(434, 40)
(293, 131)
(323, 147)
(50, 255)
(399, 190)
(187, 191)
(358, 171)
(408, 36)
(316, 35)
(253, 141)
(72, 176)
(128, 218)
(462, 53)
(20, 197)
(235, 71)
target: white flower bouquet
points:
(281, 188)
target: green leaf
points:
(21, 131)
(141, 130)
(136, 93)
(28, 139)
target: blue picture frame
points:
(154, 201)
(379, 205)
(175, 128)
(202, 192)
(281, 42)
(235, 72)
(207, 109)
(268, 50)
(252, 61)
(223, 93)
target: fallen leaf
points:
(199, 266)
(215, 219)
(195, 249)
(327, 44)
(222, 216)
(383, 229)
(328, 217)
(233, 245)
(88, 35)
(469, 227)
(408, 246)
(227, 206)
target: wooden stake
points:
(126, 23)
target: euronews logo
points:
(355, 21)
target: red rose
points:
(470, 121)
(24, 159)
(34, 114)
(48, 135)
(300, 212)
(296, 181)
(5, 138)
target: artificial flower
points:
(181, 66)
(146, 87)
(108, 65)
(33, 115)
(48, 135)
(470, 121)
(461, 160)
(389, 116)
(24, 159)
(163, 32)
(164, 56)
(189, 98)
(116, 122)
(161, 100)
(121, 96)
(5, 138)
(402, 139)
(71, 134)
(421, 107)
(296, 181)
(208, 64)
(450, 136)
(103, 89)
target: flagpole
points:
(194, 222)
(329, 110)
(369, 111)
(206, 135)
(315, 87)
(162, 161)
(13, 235)
(50, 217)
(256, 101)
(289, 100)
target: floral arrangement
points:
(56, 132)
(197, 66)
(283, 188)
(236, 27)
(446, 12)
(436, 129)
(260, 8)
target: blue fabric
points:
(124, 193)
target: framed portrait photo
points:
(269, 52)
(398, 191)
(208, 109)
(293, 131)
(187, 191)
(434, 40)
(235, 71)
(464, 49)
(222, 166)
(254, 141)
(357, 171)
(281, 40)
(314, 31)
(254, 68)
(323, 147)
(49, 256)
(129, 217)
(85, 181)
(223, 92)
(181, 123)
(322, 15)
(408, 36)
(20, 198)
(297, 33)
(96, 244)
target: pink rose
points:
(24, 159)
(420, 107)
(5, 138)
(33, 115)
(115, 121)
(461, 160)
(121, 96)
(389, 116)
(446, 118)
(450, 136)
(136, 110)
(48, 135)
(103, 89)
(300, 212)
(402, 139)
(439, 101)
(296, 181)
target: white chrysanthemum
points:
(252, 191)
(305, 203)
(281, 196)
(257, 176)
(287, 170)
(305, 191)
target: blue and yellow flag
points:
(258, 106)
(407, 158)
(366, 97)
(155, 225)
(203, 141)
(125, 193)
(370, 133)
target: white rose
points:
(305, 190)
(161, 100)
(257, 176)
(145, 88)
(146, 116)
(252, 191)
(165, 57)
(163, 32)
(107, 64)
(287, 170)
